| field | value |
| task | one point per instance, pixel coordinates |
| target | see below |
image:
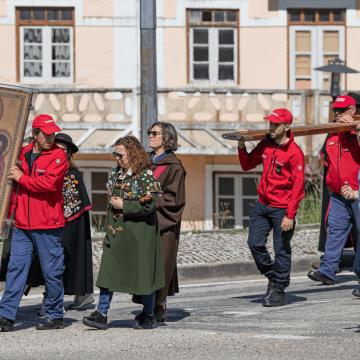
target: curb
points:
(247, 268)
(298, 227)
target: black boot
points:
(356, 292)
(276, 298)
(149, 322)
(319, 276)
(6, 325)
(270, 288)
(50, 324)
(96, 320)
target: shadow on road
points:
(173, 314)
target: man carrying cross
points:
(280, 190)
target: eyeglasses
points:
(357, 130)
(154, 133)
(120, 156)
(339, 110)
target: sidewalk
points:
(225, 253)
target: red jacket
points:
(40, 203)
(343, 161)
(282, 183)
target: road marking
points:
(240, 313)
(248, 281)
(283, 337)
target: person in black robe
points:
(76, 240)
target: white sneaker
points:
(81, 301)
(41, 312)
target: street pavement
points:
(217, 319)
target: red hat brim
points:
(273, 118)
(50, 129)
(342, 104)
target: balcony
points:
(96, 118)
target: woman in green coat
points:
(132, 258)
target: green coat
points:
(132, 258)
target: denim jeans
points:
(343, 215)
(24, 243)
(106, 297)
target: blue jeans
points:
(262, 220)
(106, 297)
(343, 215)
(24, 243)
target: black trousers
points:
(263, 219)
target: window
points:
(95, 181)
(46, 45)
(316, 17)
(315, 37)
(213, 49)
(235, 199)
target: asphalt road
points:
(221, 319)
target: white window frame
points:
(214, 63)
(88, 181)
(238, 196)
(46, 56)
(317, 34)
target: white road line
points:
(240, 313)
(247, 281)
(283, 337)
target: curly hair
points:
(138, 157)
(5, 143)
(170, 137)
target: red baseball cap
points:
(46, 123)
(280, 116)
(344, 101)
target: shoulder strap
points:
(159, 170)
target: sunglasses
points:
(120, 156)
(340, 110)
(154, 133)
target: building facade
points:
(222, 65)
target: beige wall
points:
(7, 60)
(170, 9)
(94, 56)
(263, 58)
(353, 57)
(194, 184)
(2, 7)
(175, 57)
(263, 8)
(195, 181)
(98, 8)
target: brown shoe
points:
(160, 312)
(315, 265)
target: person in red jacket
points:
(343, 166)
(280, 190)
(39, 222)
(349, 193)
